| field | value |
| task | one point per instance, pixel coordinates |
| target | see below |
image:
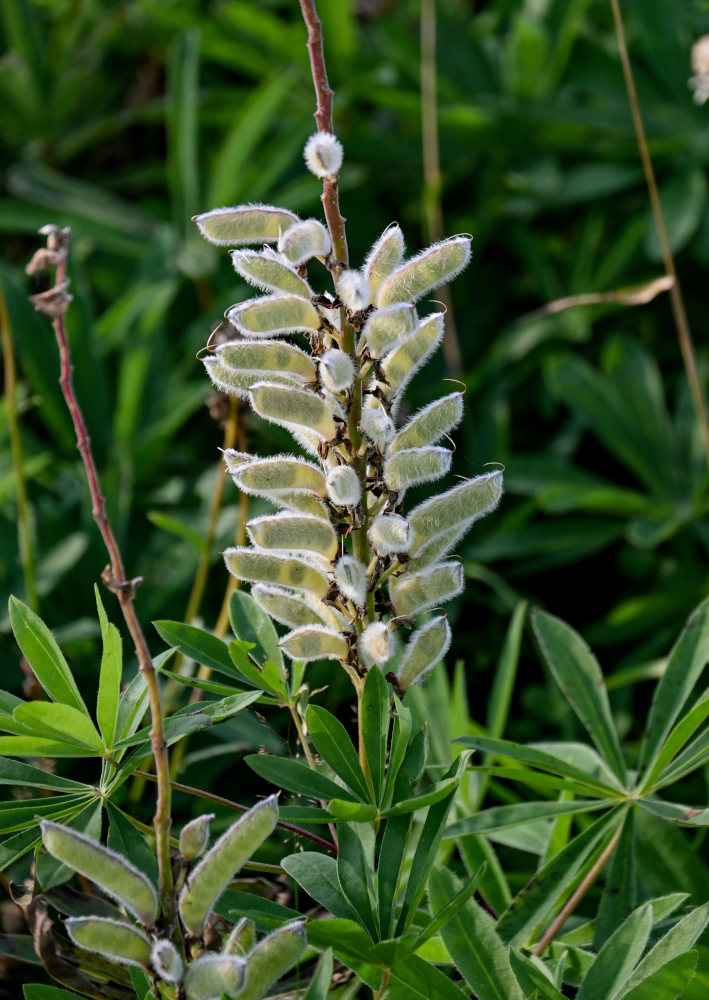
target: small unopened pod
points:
(351, 578)
(293, 408)
(194, 836)
(305, 240)
(430, 424)
(268, 271)
(390, 534)
(412, 593)
(432, 267)
(375, 644)
(267, 356)
(210, 877)
(274, 315)
(265, 476)
(294, 532)
(295, 609)
(244, 224)
(425, 648)
(388, 327)
(458, 508)
(416, 465)
(323, 154)
(255, 566)
(209, 977)
(167, 961)
(343, 486)
(315, 642)
(354, 290)
(336, 370)
(272, 957)
(111, 872)
(402, 364)
(114, 939)
(384, 258)
(377, 426)
(241, 940)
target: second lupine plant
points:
(343, 563)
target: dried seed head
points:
(114, 939)
(315, 642)
(413, 593)
(211, 976)
(336, 370)
(194, 836)
(427, 270)
(351, 578)
(305, 240)
(244, 224)
(425, 648)
(378, 426)
(343, 486)
(375, 644)
(390, 534)
(254, 566)
(274, 315)
(265, 269)
(323, 154)
(166, 961)
(354, 291)
(416, 465)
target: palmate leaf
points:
(618, 956)
(63, 722)
(678, 941)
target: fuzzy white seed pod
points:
(265, 269)
(351, 578)
(457, 509)
(425, 648)
(384, 257)
(116, 940)
(296, 609)
(238, 381)
(390, 534)
(166, 961)
(244, 224)
(413, 593)
(323, 154)
(274, 315)
(430, 424)
(305, 240)
(378, 426)
(265, 476)
(402, 364)
(388, 327)
(241, 940)
(211, 976)
(336, 370)
(343, 486)
(255, 566)
(267, 356)
(194, 836)
(315, 642)
(416, 465)
(291, 531)
(354, 290)
(432, 267)
(375, 644)
(272, 957)
(291, 408)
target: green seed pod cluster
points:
(343, 564)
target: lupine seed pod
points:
(384, 258)
(268, 271)
(194, 836)
(416, 465)
(432, 267)
(459, 507)
(166, 961)
(241, 939)
(295, 609)
(274, 315)
(323, 154)
(390, 534)
(254, 566)
(343, 486)
(402, 364)
(315, 642)
(114, 939)
(266, 476)
(293, 531)
(388, 327)
(425, 648)
(244, 224)
(354, 290)
(209, 977)
(378, 426)
(305, 240)
(267, 356)
(290, 408)
(416, 592)
(118, 878)
(437, 548)
(430, 424)
(375, 645)
(336, 370)
(210, 877)
(351, 578)
(272, 957)
(237, 382)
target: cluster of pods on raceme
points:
(341, 562)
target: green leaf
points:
(41, 651)
(667, 757)
(620, 889)
(400, 733)
(449, 910)
(12, 772)
(13, 848)
(344, 935)
(197, 645)
(19, 815)
(57, 720)
(335, 747)
(19, 947)
(35, 991)
(109, 682)
(434, 793)
(374, 715)
(675, 812)
(132, 706)
(320, 983)
(251, 624)
(32, 746)
(296, 777)
(392, 855)
(123, 838)
(417, 979)
(317, 874)
(352, 812)
(233, 904)
(355, 872)
(618, 956)
(667, 982)
(577, 673)
(674, 944)
(475, 947)
(526, 968)
(267, 678)
(505, 674)
(503, 817)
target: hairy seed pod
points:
(254, 566)
(437, 548)
(430, 424)
(265, 476)
(375, 645)
(305, 240)
(343, 486)
(268, 357)
(274, 315)
(166, 961)
(241, 940)
(194, 836)
(425, 648)
(294, 531)
(315, 642)
(267, 270)
(427, 270)
(351, 578)
(323, 154)
(384, 257)
(114, 939)
(236, 382)
(272, 957)
(388, 327)
(354, 291)
(293, 408)
(412, 593)
(336, 370)
(458, 508)
(244, 224)
(378, 426)
(416, 465)
(390, 534)
(402, 364)
(295, 609)
(118, 878)
(235, 846)
(209, 977)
